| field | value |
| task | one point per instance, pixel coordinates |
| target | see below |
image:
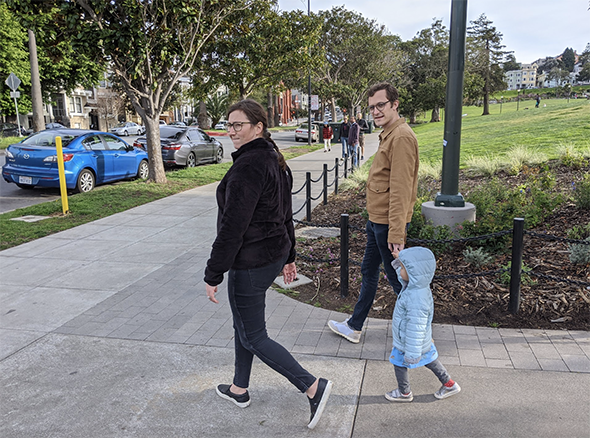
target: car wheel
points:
(191, 160)
(125, 134)
(219, 155)
(296, 138)
(25, 186)
(86, 181)
(143, 171)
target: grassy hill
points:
(555, 123)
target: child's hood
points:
(420, 265)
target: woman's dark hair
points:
(390, 91)
(257, 114)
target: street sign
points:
(13, 82)
(315, 102)
(15, 94)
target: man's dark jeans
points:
(247, 293)
(376, 252)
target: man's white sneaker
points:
(342, 329)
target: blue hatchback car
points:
(90, 158)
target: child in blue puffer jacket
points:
(412, 324)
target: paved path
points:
(105, 330)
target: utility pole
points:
(36, 96)
(309, 89)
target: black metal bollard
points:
(308, 196)
(346, 166)
(325, 183)
(344, 255)
(516, 264)
(336, 166)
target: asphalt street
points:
(13, 197)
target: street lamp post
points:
(309, 89)
(517, 98)
(501, 102)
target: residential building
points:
(524, 78)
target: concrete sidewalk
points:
(105, 331)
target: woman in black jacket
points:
(255, 241)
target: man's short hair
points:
(390, 90)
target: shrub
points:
(441, 233)
(582, 192)
(580, 253)
(357, 180)
(579, 232)
(487, 165)
(477, 257)
(569, 156)
(519, 156)
(525, 278)
(429, 170)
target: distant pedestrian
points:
(411, 325)
(363, 125)
(344, 128)
(538, 101)
(328, 136)
(255, 242)
(353, 141)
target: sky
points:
(533, 29)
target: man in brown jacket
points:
(391, 195)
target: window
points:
(194, 135)
(76, 105)
(114, 144)
(93, 143)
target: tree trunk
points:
(277, 112)
(435, 116)
(156, 164)
(269, 109)
(412, 117)
(333, 109)
(203, 118)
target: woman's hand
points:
(289, 273)
(211, 291)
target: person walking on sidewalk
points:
(363, 125)
(344, 128)
(391, 194)
(255, 242)
(353, 142)
(411, 325)
(328, 135)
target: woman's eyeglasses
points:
(237, 126)
(379, 106)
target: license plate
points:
(25, 180)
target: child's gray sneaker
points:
(397, 396)
(342, 329)
(445, 392)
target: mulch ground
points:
(479, 301)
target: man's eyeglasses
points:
(379, 106)
(236, 125)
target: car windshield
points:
(119, 125)
(171, 132)
(45, 138)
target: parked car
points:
(127, 128)
(186, 146)
(10, 130)
(163, 122)
(177, 123)
(54, 126)
(90, 158)
(221, 125)
(301, 132)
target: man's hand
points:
(395, 248)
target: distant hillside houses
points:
(544, 73)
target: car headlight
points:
(9, 154)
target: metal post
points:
(308, 196)
(346, 166)
(449, 195)
(325, 183)
(309, 90)
(516, 264)
(343, 255)
(336, 166)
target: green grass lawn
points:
(544, 129)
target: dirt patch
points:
(546, 303)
